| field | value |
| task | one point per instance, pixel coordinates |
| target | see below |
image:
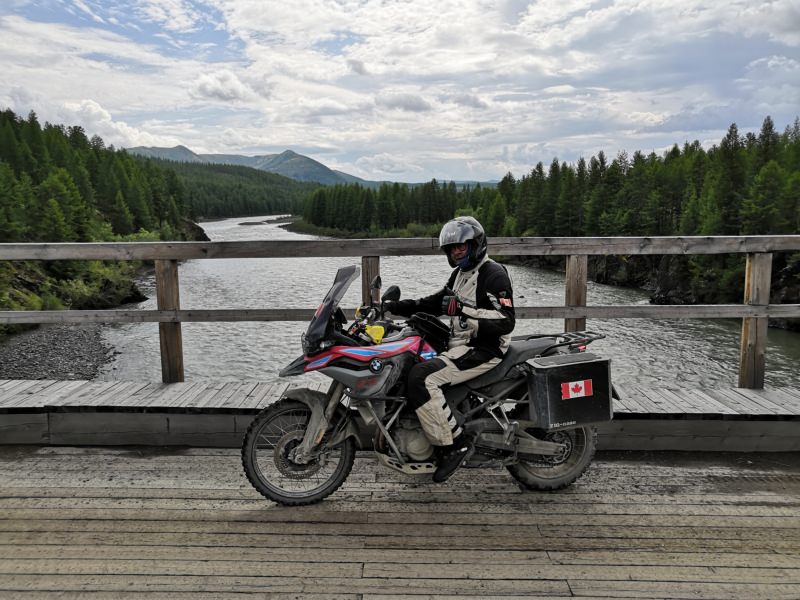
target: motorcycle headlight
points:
(308, 347)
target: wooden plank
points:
(748, 405)
(752, 358)
(793, 392)
(193, 396)
(122, 390)
(31, 395)
(54, 391)
(119, 398)
(260, 395)
(97, 515)
(221, 396)
(16, 387)
(575, 289)
(781, 401)
(303, 586)
(703, 590)
(198, 400)
(67, 392)
(657, 403)
(708, 404)
(319, 555)
(140, 396)
(85, 393)
(370, 269)
(506, 246)
(670, 401)
(242, 390)
(168, 395)
(170, 337)
(616, 311)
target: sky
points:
(404, 90)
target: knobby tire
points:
(266, 457)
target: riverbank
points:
(55, 352)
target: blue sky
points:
(404, 90)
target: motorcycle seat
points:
(520, 350)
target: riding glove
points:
(391, 306)
(452, 305)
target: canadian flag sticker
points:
(576, 389)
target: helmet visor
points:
(455, 232)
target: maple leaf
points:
(576, 388)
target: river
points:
(652, 352)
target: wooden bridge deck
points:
(159, 523)
(217, 414)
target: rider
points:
(478, 298)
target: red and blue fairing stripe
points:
(367, 353)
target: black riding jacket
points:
(487, 318)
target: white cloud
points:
(386, 164)
(174, 15)
(413, 89)
(97, 120)
(406, 102)
(84, 8)
(222, 85)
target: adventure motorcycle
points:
(532, 413)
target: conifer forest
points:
(744, 185)
(59, 185)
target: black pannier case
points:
(569, 390)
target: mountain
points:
(287, 163)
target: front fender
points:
(317, 402)
(296, 367)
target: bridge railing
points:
(754, 311)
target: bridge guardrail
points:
(754, 310)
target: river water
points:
(652, 352)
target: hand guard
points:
(452, 305)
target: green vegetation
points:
(215, 190)
(57, 185)
(746, 185)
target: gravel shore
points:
(54, 352)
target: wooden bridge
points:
(745, 417)
(107, 522)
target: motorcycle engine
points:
(411, 440)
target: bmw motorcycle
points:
(534, 413)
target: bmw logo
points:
(376, 365)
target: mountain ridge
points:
(287, 163)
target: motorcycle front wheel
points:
(556, 472)
(268, 463)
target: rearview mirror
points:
(393, 293)
(376, 283)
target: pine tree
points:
(121, 218)
(761, 210)
(11, 220)
(496, 216)
(53, 226)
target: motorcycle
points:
(533, 413)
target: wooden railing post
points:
(752, 363)
(168, 296)
(576, 289)
(370, 268)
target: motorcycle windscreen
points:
(317, 328)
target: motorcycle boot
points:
(452, 457)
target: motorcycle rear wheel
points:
(553, 473)
(267, 462)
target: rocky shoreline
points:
(55, 352)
